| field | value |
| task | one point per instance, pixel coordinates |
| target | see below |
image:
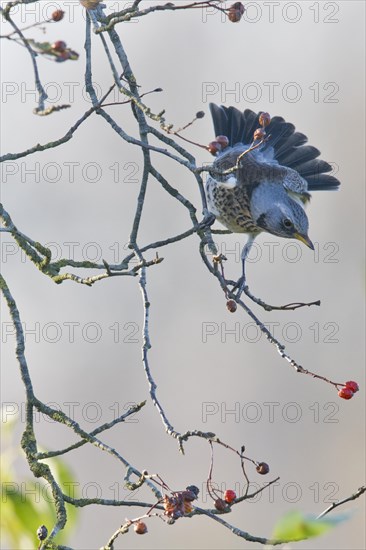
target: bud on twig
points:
(42, 532)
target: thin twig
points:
(334, 505)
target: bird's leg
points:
(241, 284)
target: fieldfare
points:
(267, 187)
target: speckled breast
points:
(231, 207)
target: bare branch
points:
(334, 505)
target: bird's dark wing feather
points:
(285, 146)
(250, 172)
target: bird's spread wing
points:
(285, 147)
(296, 186)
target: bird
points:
(262, 176)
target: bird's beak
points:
(304, 239)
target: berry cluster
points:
(176, 505)
(348, 390)
(264, 120)
(218, 145)
(223, 504)
(180, 503)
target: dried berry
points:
(235, 12)
(140, 528)
(352, 386)
(193, 489)
(231, 306)
(345, 393)
(59, 46)
(42, 532)
(57, 15)
(174, 506)
(264, 119)
(262, 468)
(259, 134)
(187, 507)
(220, 505)
(188, 496)
(229, 496)
(223, 140)
(214, 147)
(63, 56)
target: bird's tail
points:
(285, 145)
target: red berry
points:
(352, 386)
(231, 305)
(214, 147)
(345, 393)
(264, 119)
(259, 134)
(262, 468)
(220, 505)
(229, 496)
(57, 15)
(223, 140)
(59, 46)
(189, 495)
(187, 507)
(140, 528)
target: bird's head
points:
(286, 219)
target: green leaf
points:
(23, 511)
(295, 526)
(27, 504)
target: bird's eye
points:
(287, 223)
